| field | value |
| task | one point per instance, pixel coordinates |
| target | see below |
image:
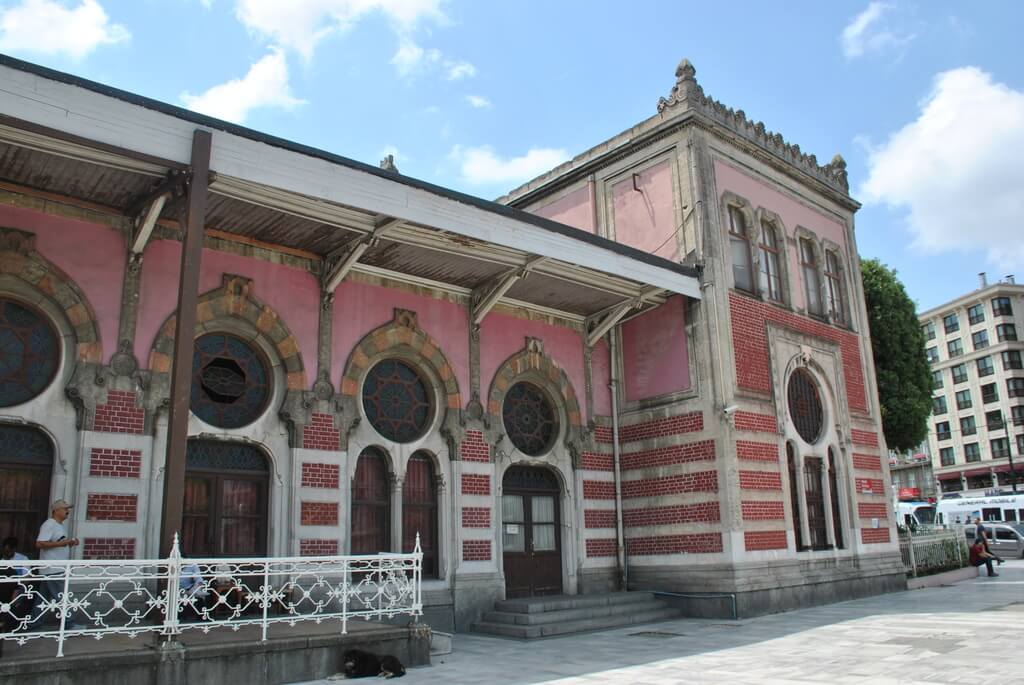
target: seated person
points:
(191, 581)
(16, 594)
(979, 556)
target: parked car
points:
(1005, 539)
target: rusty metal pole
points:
(184, 333)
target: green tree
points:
(901, 367)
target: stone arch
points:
(532, 358)
(234, 299)
(401, 334)
(19, 259)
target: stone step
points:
(532, 605)
(577, 614)
(579, 626)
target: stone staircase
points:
(535, 617)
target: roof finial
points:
(388, 164)
(837, 170)
(686, 90)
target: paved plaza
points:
(964, 633)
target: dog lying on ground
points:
(362, 664)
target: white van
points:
(1006, 540)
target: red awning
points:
(979, 472)
(953, 475)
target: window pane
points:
(544, 537)
(512, 509)
(542, 509)
(741, 263)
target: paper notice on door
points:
(511, 529)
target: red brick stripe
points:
(671, 425)
(476, 484)
(674, 454)
(860, 437)
(757, 451)
(755, 423)
(594, 461)
(755, 540)
(763, 511)
(319, 513)
(598, 518)
(760, 480)
(119, 414)
(699, 543)
(476, 517)
(476, 550)
(871, 510)
(113, 463)
(318, 548)
(108, 548)
(867, 462)
(108, 507)
(320, 433)
(702, 481)
(475, 448)
(320, 475)
(871, 536)
(598, 489)
(702, 512)
(872, 484)
(601, 547)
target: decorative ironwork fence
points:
(933, 551)
(95, 598)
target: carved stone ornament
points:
(123, 362)
(475, 410)
(240, 286)
(406, 318)
(78, 402)
(326, 300)
(13, 240)
(535, 345)
(322, 389)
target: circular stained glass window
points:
(529, 419)
(805, 405)
(230, 381)
(396, 401)
(29, 353)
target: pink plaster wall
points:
(359, 308)
(91, 254)
(293, 293)
(502, 336)
(654, 353)
(792, 214)
(600, 374)
(573, 209)
(645, 217)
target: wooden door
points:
(419, 511)
(224, 513)
(530, 533)
(814, 497)
(371, 509)
(26, 463)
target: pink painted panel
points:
(360, 308)
(293, 293)
(573, 209)
(654, 354)
(792, 213)
(91, 254)
(502, 336)
(600, 373)
(644, 211)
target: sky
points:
(925, 100)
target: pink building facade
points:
(686, 402)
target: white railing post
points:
(173, 594)
(266, 597)
(63, 610)
(345, 578)
(418, 575)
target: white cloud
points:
(300, 24)
(411, 58)
(265, 85)
(957, 169)
(459, 70)
(50, 28)
(866, 33)
(481, 166)
(478, 101)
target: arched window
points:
(805, 408)
(26, 464)
(739, 248)
(419, 510)
(225, 507)
(836, 300)
(794, 497)
(29, 353)
(371, 504)
(770, 272)
(812, 283)
(230, 381)
(396, 401)
(530, 419)
(837, 519)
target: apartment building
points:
(975, 347)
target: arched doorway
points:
(371, 504)
(531, 543)
(419, 510)
(26, 464)
(225, 508)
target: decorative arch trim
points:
(234, 299)
(19, 258)
(533, 358)
(401, 333)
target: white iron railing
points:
(932, 551)
(99, 597)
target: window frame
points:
(1006, 332)
(929, 331)
(738, 207)
(955, 348)
(767, 219)
(810, 273)
(1008, 356)
(938, 381)
(942, 431)
(1015, 387)
(987, 369)
(835, 287)
(947, 456)
(932, 354)
(1002, 306)
(999, 448)
(979, 339)
(972, 452)
(990, 425)
(975, 314)
(939, 405)
(968, 425)
(962, 403)
(990, 396)
(951, 323)
(959, 378)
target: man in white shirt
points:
(54, 544)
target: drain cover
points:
(656, 633)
